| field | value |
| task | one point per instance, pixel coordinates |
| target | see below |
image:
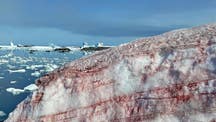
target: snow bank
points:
(154, 79)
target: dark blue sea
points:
(20, 68)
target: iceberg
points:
(17, 71)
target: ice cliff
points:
(169, 77)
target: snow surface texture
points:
(170, 77)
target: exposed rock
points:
(94, 48)
(167, 77)
(62, 49)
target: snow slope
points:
(169, 77)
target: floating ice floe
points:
(13, 82)
(50, 67)
(8, 55)
(1, 77)
(14, 91)
(72, 48)
(8, 47)
(2, 113)
(16, 71)
(33, 67)
(19, 60)
(10, 66)
(42, 70)
(35, 74)
(3, 61)
(31, 87)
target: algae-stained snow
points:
(169, 77)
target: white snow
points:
(158, 79)
(203, 117)
(51, 101)
(166, 118)
(184, 65)
(209, 64)
(139, 63)
(125, 82)
(158, 60)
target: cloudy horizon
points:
(72, 22)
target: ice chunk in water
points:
(16, 71)
(13, 82)
(15, 91)
(33, 67)
(2, 113)
(3, 61)
(50, 67)
(31, 87)
(35, 74)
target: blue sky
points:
(70, 22)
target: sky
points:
(72, 22)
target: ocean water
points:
(19, 68)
